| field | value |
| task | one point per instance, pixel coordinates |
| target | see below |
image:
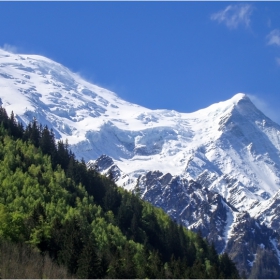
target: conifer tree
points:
(89, 264)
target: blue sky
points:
(162, 55)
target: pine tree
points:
(47, 141)
(227, 267)
(72, 245)
(89, 264)
(4, 119)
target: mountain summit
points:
(231, 144)
(216, 169)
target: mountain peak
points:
(239, 100)
(239, 96)
(243, 105)
(96, 121)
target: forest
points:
(60, 219)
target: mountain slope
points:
(207, 169)
(247, 240)
(228, 140)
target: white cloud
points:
(277, 60)
(265, 108)
(234, 15)
(273, 38)
(9, 48)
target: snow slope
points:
(230, 146)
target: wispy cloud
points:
(273, 38)
(9, 48)
(277, 60)
(269, 23)
(265, 108)
(234, 15)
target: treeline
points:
(82, 223)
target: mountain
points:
(246, 239)
(206, 169)
(59, 219)
(219, 140)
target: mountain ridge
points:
(230, 149)
(95, 121)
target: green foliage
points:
(83, 222)
(11, 224)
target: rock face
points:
(216, 170)
(190, 204)
(105, 164)
(247, 240)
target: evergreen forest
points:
(59, 219)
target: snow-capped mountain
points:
(230, 143)
(205, 169)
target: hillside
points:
(82, 222)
